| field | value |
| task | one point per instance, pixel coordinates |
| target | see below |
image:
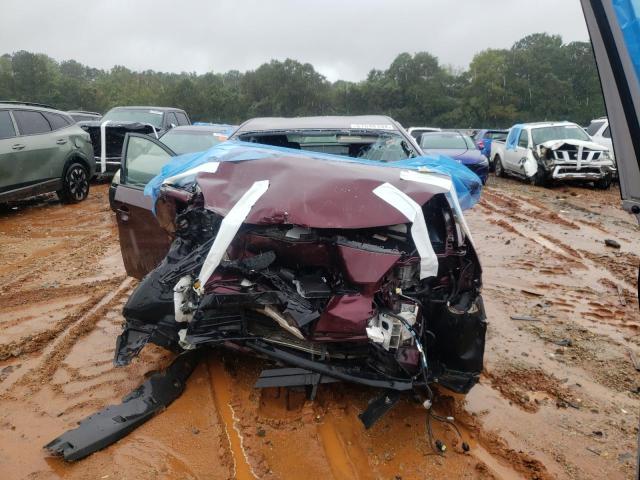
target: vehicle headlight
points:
(605, 155)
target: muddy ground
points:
(559, 396)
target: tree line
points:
(538, 78)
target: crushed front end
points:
(576, 160)
(356, 273)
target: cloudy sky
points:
(343, 39)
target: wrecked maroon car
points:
(357, 272)
(333, 270)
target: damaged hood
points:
(316, 193)
(556, 144)
(311, 188)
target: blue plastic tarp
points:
(512, 138)
(467, 184)
(627, 13)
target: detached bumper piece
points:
(116, 421)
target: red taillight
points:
(480, 144)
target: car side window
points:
(142, 161)
(523, 140)
(171, 119)
(31, 122)
(6, 125)
(56, 121)
(593, 127)
(182, 118)
(606, 133)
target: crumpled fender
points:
(529, 164)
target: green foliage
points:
(538, 78)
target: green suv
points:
(43, 150)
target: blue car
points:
(459, 147)
(483, 139)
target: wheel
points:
(604, 183)
(497, 165)
(75, 184)
(540, 178)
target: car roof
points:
(83, 112)
(198, 128)
(447, 133)
(548, 124)
(30, 106)
(137, 107)
(358, 122)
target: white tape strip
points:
(446, 184)
(410, 209)
(228, 229)
(103, 146)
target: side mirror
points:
(172, 125)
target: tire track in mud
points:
(346, 457)
(622, 266)
(37, 341)
(72, 331)
(276, 433)
(220, 384)
(36, 267)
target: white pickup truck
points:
(548, 151)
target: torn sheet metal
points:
(529, 164)
(114, 422)
(413, 212)
(228, 229)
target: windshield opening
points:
(191, 141)
(152, 117)
(369, 145)
(560, 132)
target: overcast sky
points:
(343, 39)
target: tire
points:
(498, 167)
(492, 167)
(75, 184)
(604, 183)
(540, 178)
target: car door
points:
(514, 156)
(36, 149)
(65, 145)
(7, 151)
(143, 243)
(170, 121)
